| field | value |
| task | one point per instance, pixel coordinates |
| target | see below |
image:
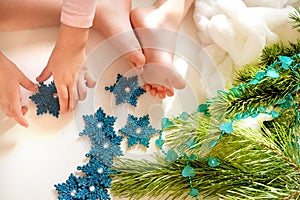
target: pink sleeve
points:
(78, 13)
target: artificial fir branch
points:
(188, 135)
(252, 166)
(296, 18)
(264, 94)
(268, 56)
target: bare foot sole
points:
(157, 35)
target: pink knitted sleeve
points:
(78, 13)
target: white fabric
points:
(234, 34)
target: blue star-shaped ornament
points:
(92, 185)
(97, 171)
(106, 150)
(98, 125)
(94, 190)
(46, 99)
(73, 189)
(126, 90)
(138, 130)
(105, 142)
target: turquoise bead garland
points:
(227, 127)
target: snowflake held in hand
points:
(138, 130)
(46, 99)
(126, 90)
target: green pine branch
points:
(252, 166)
(296, 18)
(188, 135)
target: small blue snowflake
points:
(138, 130)
(46, 99)
(126, 90)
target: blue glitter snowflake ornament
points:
(106, 150)
(46, 99)
(92, 185)
(98, 125)
(126, 90)
(105, 142)
(138, 130)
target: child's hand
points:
(10, 80)
(64, 64)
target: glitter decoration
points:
(98, 125)
(138, 130)
(95, 170)
(72, 189)
(105, 142)
(106, 150)
(92, 185)
(126, 90)
(46, 99)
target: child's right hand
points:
(10, 80)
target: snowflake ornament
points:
(72, 189)
(98, 125)
(94, 190)
(126, 90)
(105, 142)
(93, 185)
(106, 151)
(138, 130)
(46, 99)
(95, 170)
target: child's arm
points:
(10, 80)
(68, 54)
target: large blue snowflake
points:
(97, 171)
(106, 151)
(92, 186)
(46, 99)
(73, 189)
(105, 142)
(98, 125)
(126, 90)
(138, 130)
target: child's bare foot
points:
(156, 28)
(112, 20)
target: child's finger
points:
(63, 98)
(75, 97)
(71, 98)
(27, 84)
(15, 111)
(46, 73)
